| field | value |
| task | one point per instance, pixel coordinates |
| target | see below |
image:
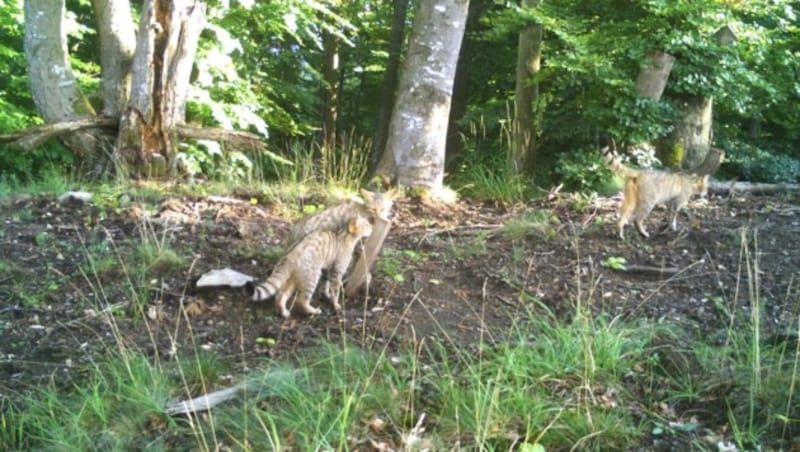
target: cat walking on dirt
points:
(300, 269)
(645, 189)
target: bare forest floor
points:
(454, 273)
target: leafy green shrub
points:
(584, 170)
(778, 168)
(751, 163)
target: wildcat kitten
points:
(375, 205)
(645, 189)
(300, 269)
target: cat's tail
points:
(265, 290)
(615, 163)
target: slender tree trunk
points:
(461, 83)
(330, 93)
(117, 45)
(415, 146)
(166, 45)
(529, 53)
(53, 85)
(396, 37)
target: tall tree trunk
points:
(415, 147)
(117, 45)
(691, 137)
(53, 85)
(166, 45)
(529, 54)
(330, 93)
(396, 37)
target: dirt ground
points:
(68, 277)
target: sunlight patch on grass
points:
(541, 224)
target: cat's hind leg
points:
(280, 300)
(304, 302)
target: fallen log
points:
(756, 188)
(649, 270)
(33, 137)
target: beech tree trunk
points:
(166, 46)
(529, 54)
(396, 37)
(53, 85)
(330, 95)
(415, 148)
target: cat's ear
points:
(352, 225)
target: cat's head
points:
(380, 203)
(701, 185)
(359, 227)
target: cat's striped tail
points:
(261, 292)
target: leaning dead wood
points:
(365, 260)
(235, 138)
(756, 188)
(32, 137)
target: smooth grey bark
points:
(166, 45)
(117, 45)
(415, 147)
(529, 54)
(53, 85)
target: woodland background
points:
(319, 80)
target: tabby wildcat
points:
(300, 269)
(645, 189)
(374, 206)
